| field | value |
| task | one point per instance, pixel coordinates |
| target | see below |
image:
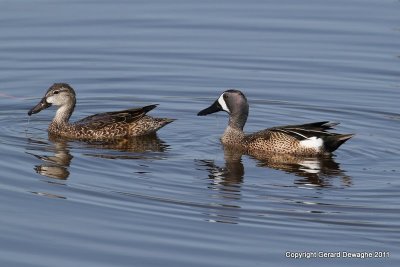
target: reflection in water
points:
(315, 171)
(230, 175)
(226, 181)
(137, 146)
(48, 195)
(57, 164)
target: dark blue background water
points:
(178, 200)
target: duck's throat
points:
(63, 114)
(238, 120)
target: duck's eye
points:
(56, 92)
(225, 96)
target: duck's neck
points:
(234, 134)
(63, 114)
(237, 120)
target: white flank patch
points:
(312, 142)
(221, 101)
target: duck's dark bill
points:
(40, 106)
(211, 109)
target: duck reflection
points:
(225, 185)
(57, 164)
(229, 175)
(226, 181)
(138, 148)
(316, 171)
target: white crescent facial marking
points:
(312, 142)
(222, 102)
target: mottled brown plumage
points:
(103, 126)
(310, 139)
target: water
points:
(178, 199)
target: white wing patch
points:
(222, 102)
(312, 142)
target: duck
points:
(311, 139)
(103, 126)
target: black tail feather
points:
(149, 107)
(333, 142)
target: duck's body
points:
(306, 139)
(310, 139)
(109, 125)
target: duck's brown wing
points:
(101, 120)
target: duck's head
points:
(233, 102)
(59, 94)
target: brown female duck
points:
(109, 125)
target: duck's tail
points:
(333, 142)
(165, 121)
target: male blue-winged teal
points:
(103, 126)
(310, 139)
